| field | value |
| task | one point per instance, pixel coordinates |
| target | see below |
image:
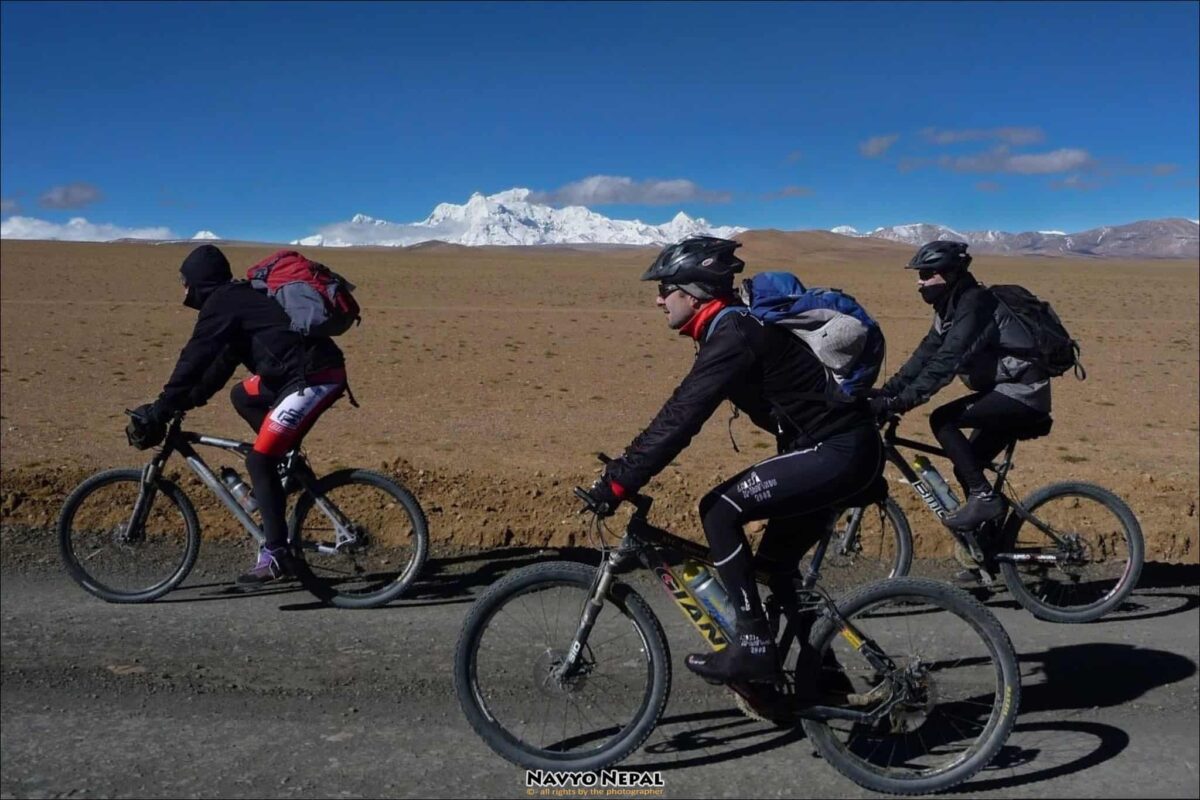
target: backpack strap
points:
(712, 326)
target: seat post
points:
(1004, 466)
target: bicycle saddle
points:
(1035, 430)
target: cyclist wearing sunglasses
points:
(827, 453)
(973, 336)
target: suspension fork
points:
(591, 612)
(146, 493)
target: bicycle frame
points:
(178, 440)
(661, 552)
(891, 443)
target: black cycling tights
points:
(797, 492)
(992, 415)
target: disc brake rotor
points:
(545, 669)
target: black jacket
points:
(766, 372)
(241, 325)
(963, 336)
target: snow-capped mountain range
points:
(1158, 238)
(509, 218)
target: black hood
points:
(205, 269)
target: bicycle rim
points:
(388, 546)
(538, 718)
(960, 688)
(112, 561)
(881, 549)
(1095, 566)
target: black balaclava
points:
(205, 269)
(932, 294)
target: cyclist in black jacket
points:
(828, 453)
(294, 380)
(973, 336)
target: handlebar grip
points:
(604, 459)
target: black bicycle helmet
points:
(700, 265)
(941, 256)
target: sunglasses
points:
(926, 274)
(665, 289)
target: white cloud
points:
(72, 195)
(7, 205)
(877, 145)
(598, 190)
(205, 235)
(1000, 159)
(1009, 135)
(77, 229)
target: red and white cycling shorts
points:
(295, 413)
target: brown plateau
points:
(490, 377)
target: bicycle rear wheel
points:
(881, 548)
(515, 637)
(362, 536)
(956, 687)
(115, 562)
(1091, 572)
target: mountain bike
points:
(1068, 552)
(132, 535)
(905, 686)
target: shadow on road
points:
(1146, 601)
(1041, 751)
(443, 581)
(1098, 674)
(710, 737)
(460, 578)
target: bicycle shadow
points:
(1144, 602)
(1052, 681)
(711, 737)
(450, 580)
(443, 581)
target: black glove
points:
(147, 426)
(882, 406)
(871, 393)
(604, 499)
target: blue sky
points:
(268, 121)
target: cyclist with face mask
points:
(827, 452)
(973, 336)
(294, 380)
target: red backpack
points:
(318, 300)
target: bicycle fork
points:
(141, 508)
(591, 611)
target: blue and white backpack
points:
(839, 331)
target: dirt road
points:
(214, 693)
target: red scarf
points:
(697, 325)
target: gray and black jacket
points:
(765, 371)
(972, 336)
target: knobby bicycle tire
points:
(1040, 603)
(326, 588)
(620, 599)
(1003, 709)
(77, 567)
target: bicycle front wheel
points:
(117, 560)
(879, 548)
(1092, 567)
(363, 538)
(506, 670)
(945, 710)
